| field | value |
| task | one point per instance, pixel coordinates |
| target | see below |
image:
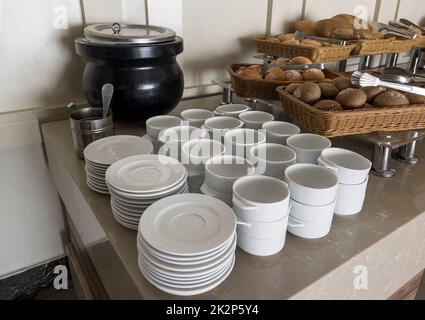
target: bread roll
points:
(279, 62)
(329, 91)
(249, 74)
(292, 42)
(415, 98)
(309, 92)
(292, 87)
(390, 98)
(351, 98)
(328, 105)
(346, 27)
(293, 75)
(300, 60)
(275, 73)
(285, 37)
(305, 26)
(311, 43)
(342, 83)
(372, 92)
(314, 75)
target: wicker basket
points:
(261, 89)
(315, 54)
(381, 46)
(352, 122)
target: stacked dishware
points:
(352, 170)
(195, 154)
(308, 147)
(137, 182)
(186, 244)
(313, 191)
(279, 131)
(261, 205)
(155, 125)
(255, 119)
(218, 126)
(220, 174)
(196, 117)
(272, 159)
(231, 110)
(102, 153)
(238, 142)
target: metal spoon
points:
(397, 72)
(107, 93)
(411, 24)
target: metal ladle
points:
(107, 93)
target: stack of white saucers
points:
(100, 154)
(187, 243)
(137, 182)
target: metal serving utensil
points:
(411, 24)
(386, 29)
(299, 35)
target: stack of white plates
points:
(137, 182)
(187, 243)
(100, 154)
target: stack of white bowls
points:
(352, 170)
(137, 182)
(262, 206)
(195, 154)
(271, 159)
(221, 173)
(155, 125)
(218, 126)
(187, 243)
(313, 199)
(255, 119)
(307, 146)
(231, 110)
(279, 131)
(196, 117)
(238, 142)
(100, 154)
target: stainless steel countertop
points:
(386, 238)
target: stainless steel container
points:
(87, 125)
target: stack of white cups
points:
(155, 125)
(313, 198)
(195, 153)
(352, 170)
(262, 216)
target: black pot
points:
(144, 71)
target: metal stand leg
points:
(414, 60)
(381, 160)
(227, 96)
(392, 60)
(365, 62)
(406, 153)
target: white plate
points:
(124, 223)
(145, 174)
(191, 291)
(131, 211)
(108, 150)
(187, 224)
(96, 188)
(125, 218)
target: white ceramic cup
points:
(312, 184)
(350, 198)
(279, 131)
(225, 197)
(218, 126)
(221, 172)
(196, 153)
(231, 110)
(260, 199)
(312, 214)
(263, 230)
(255, 119)
(308, 230)
(262, 248)
(196, 117)
(307, 146)
(351, 167)
(272, 159)
(155, 125)
(238, 142)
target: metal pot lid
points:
(128, 33)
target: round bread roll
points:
(300, 60)
(305, 26)
(328, 105)
(309, 92)
(311, 43)
(273, 39)
(351, 98)
(314, 75)
(279, 62)
(372, 92)
(342, 83)
(293, 75)
(292, 41)
(249, 74)
(390, 98)
(275, 73)
(256, 67)
(285, 37)
(415, 98)
(329, 90)
(292, 87)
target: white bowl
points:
(351, 167)
(308, 230)
(260, 199)
(350, 198)
(231, 110)
(155, 125)
(312, 184)
(308, 147)
(263, 230)
(218, 126)
(279, 131)
(316, 214)
(260, 248)
(225, 197)
(196, 153)
(238, 142)
(272, 159)
(196, 117)
(255, 119)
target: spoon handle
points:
(107, 92)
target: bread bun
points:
(305, 26)
(311, 43)
(328, 105)
(300, 60)
(249, 74)
(285, 37)
(292, 87)
(351, 98)
(256, 67)
(415, 98)
(292, 42)
(309, 92)
(390, 98)
(293, 75)
(314, 75)
(275, 73)
(372, 92)
(279, 62)
(342, 83)
(329, 90)
(346, 27)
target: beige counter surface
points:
(368, 256)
